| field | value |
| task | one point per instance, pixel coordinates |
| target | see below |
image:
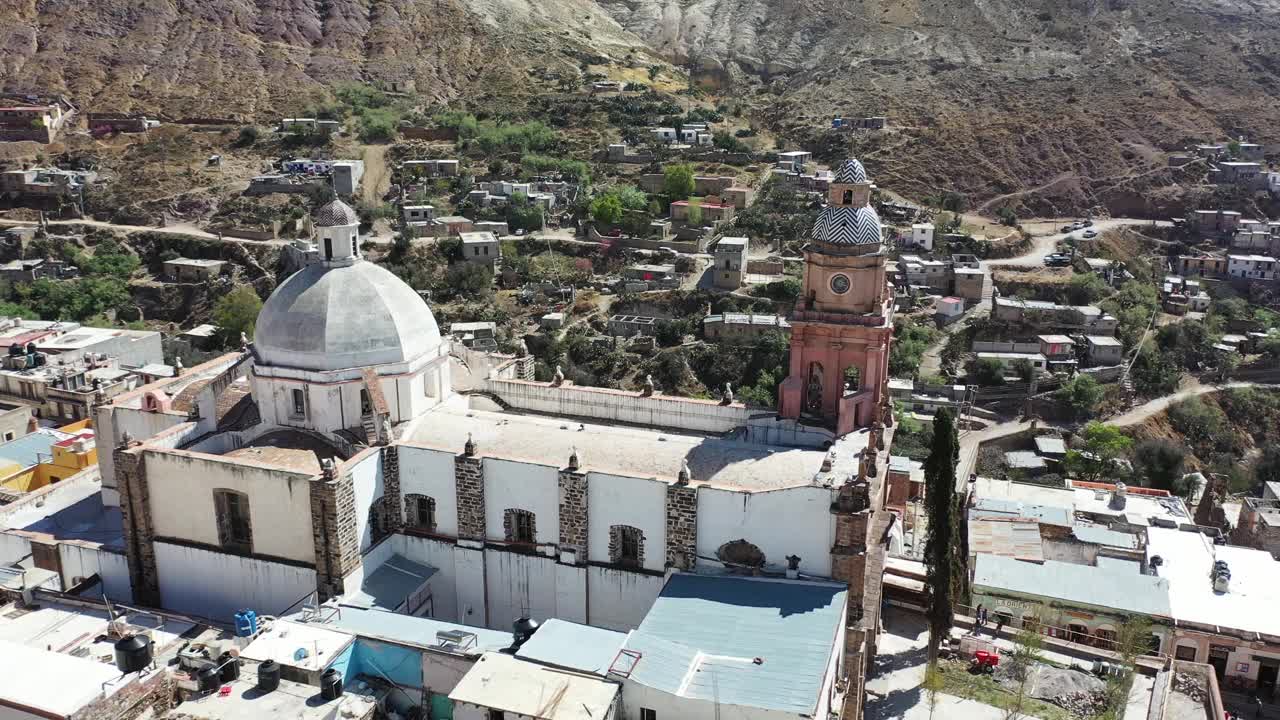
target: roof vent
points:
(1118, 497)
(1156, 562)
(1221, 577)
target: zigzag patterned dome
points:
(838, 225)
(851, 172)
(336, 214)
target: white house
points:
(1251, 267)
(922, 235)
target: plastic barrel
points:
(269, 676)
(331, 684)
(230, 665)
(207, 679)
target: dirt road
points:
(179, 229)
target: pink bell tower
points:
(843, 321)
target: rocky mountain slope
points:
(1045, 105)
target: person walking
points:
(979, 619)
(999, 625)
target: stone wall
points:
(391, 488)
(334, 531)
(135, 513)
(682, 526)
(151, 696)
(573, 513)
(468, 474)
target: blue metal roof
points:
(415, 631)
(389, 586)
(26, 450)
(704, 633)
(573, 646)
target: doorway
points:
(1267, 681)
(1218, 659)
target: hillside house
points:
(1251, 267)
(120, 122)
(1214, 266)
(1103, 350)
(46, 183)
(631, 325)
(794, 160)
(418, 213)
(742, 327)
(922, 272)
(1215, 222)
(33, 117)
(713, 211)
(1238, 173)
(1047, 315)
(411, 170)
(481, 247)
(730, 261)
(193, 270)
(922, 236)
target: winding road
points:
(1041, 246)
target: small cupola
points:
(338, 232)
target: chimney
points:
(793, 567)
(1118, 497)
(1221, 577)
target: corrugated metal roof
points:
(413, 631)
(573, 646)
(703, 633)
(1000, 509)
(26, 451)
(1019, 540)
(1101, 587)
(390, 584)
(1105, 536)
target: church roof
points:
(843, 225)
(336, 214)
(851, 171)
(327, 317)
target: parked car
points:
(1090, 233)
(1056, 260)
(1068, 228)
(1088, 222)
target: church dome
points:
(851, 172)
(327, 317)
(846, 225)
(336, 214)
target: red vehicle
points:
(985, 661)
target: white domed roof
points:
(327, 317)
(336, 214)
(844, 225)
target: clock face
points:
(840, 284)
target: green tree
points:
(606, 209)
(1027, 644)
(669, 333)
(677, 181)
(695, 212)
(988, 371)
(940, 507)
(1103, 444)
(653, 72)
(468, 280)
(631, 197)
(1081, 394)
(1086, 289)
(1160, 463)
(1267, 467)
(1024, 369)
(237, 312)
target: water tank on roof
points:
(268, 676)
(133, 653)
(523, 629)
(331, 684)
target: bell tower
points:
(843, 322)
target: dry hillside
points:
(1050, 106)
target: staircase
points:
(370, 428)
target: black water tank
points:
(133, 653)
(269, 676)
(523, 629)
(207, 679)
(331, 684)
(230, 665)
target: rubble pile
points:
(1081, 704)
(1192, 686)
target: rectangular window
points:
(366, 406)
(496, 715)
(630, 550)
(424, 513)
(299, 402)
(8, 436)
(232, 510)
(1186, 652)
(648, 714)
(522, 528)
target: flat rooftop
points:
(420, 632)
(285, 638)
(1251, 599)
(74, 512)
(1085, 585)
(289, 701)
(573, 646)
(625, 450)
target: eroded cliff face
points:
(222, 58)
(1047, 105)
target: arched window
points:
(520, 526)
(741, 556)
(328, 249)
(626, 546)
(379, 519)
(420, 512)
(231, 510)
(848, 198)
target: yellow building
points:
(45, 457)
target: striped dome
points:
(851, 172)
(838, 225)
(336, 214)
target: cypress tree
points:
(940, 509)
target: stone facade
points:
(147, 697)
(682, 526)
(468, 475)
(573, 513)
(334, 531)
(391, 488)
(135, 515)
